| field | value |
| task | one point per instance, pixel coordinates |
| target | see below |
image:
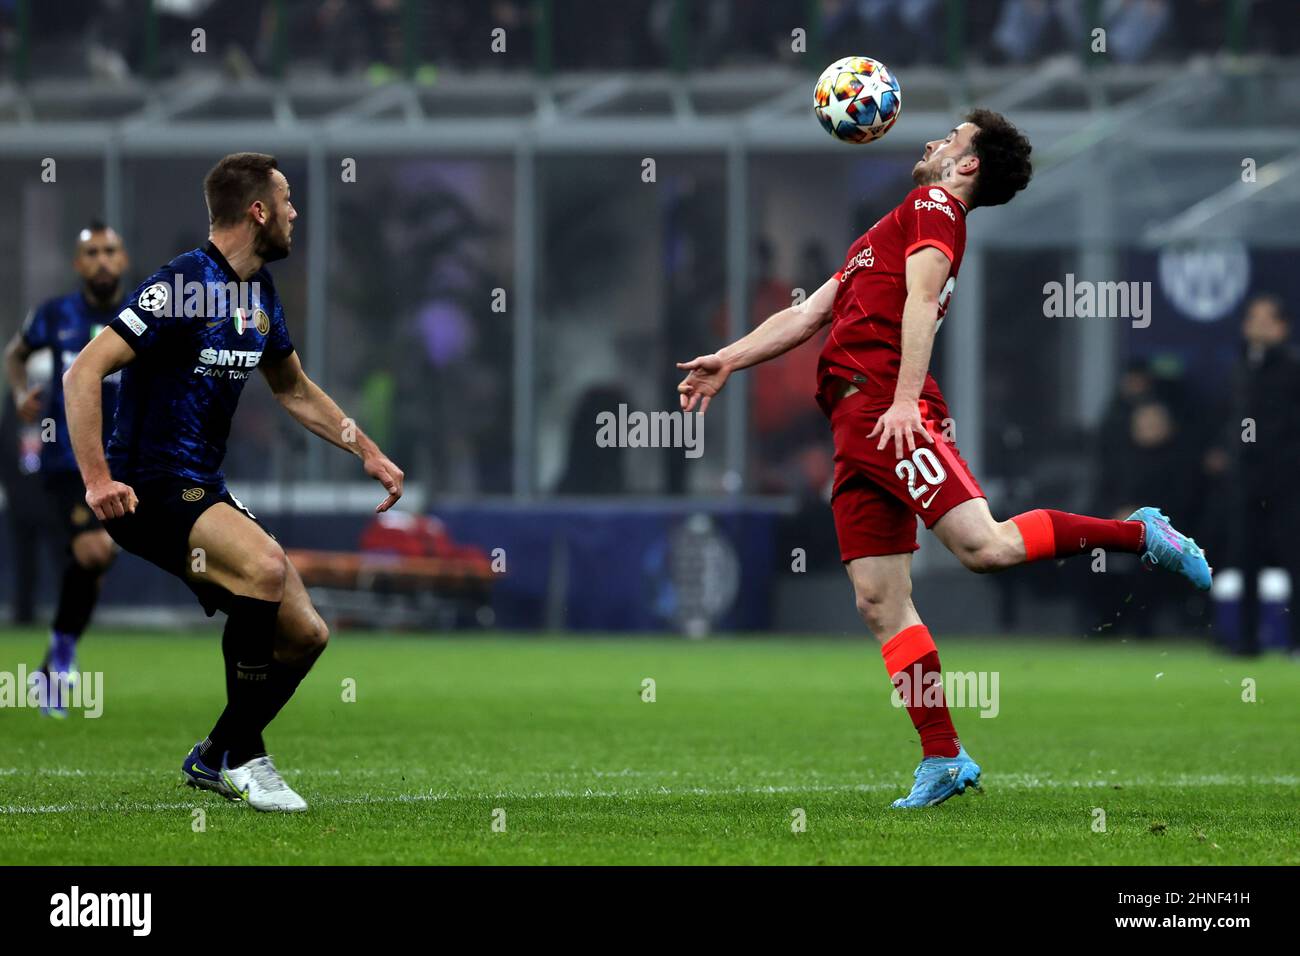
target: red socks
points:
(1059, 534)
(912, 661)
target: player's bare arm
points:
(26, 399)
(778, 334)
(319, 414)
(927, 271)
(83, 398)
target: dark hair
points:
(235, 182)
(94, 225)
(1003, 152)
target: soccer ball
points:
(857, 99)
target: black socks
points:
(285, 679)
(247, 646)
(77, 597)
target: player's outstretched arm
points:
(317, 412)
(83, 385)
(927, 273)
(27, 400)
(778, 334)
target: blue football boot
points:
(196, 773)
(1168, 548)
(57, 675)
(938, 778)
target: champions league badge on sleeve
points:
(154, 299)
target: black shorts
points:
(68, 500)
(159, 528)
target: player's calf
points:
(302, 641)
(301, 634)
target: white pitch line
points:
(1009, 782)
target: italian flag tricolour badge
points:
(241, 321)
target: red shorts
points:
(878, 496)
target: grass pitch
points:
(551, 737)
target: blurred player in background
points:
(1263, 519)
(895, 456)
(65, 326)
(160, 491)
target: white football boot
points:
(260, 785)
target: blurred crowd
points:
(109, 39)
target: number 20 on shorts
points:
(925, 463)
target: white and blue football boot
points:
(260, 785)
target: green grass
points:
(555, 733)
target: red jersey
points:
(865, 344)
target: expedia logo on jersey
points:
(933, 204)
(863, 260)
(232, 364)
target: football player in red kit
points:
(894, 457)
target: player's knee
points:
(93, 554)
(985, 556)
(880, 608)
(266, 570)
(973, 557)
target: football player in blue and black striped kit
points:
(64, 326)
(186, 342)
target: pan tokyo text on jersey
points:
(226, 363)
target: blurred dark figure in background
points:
(1134, 471)
(592, 470)
(783, 411)
(909, 24)
(1257, 459)
(25, 512)
(799, 447)
(1136, 30)
(1137, 384)
(1029, 29)
(352, 35)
